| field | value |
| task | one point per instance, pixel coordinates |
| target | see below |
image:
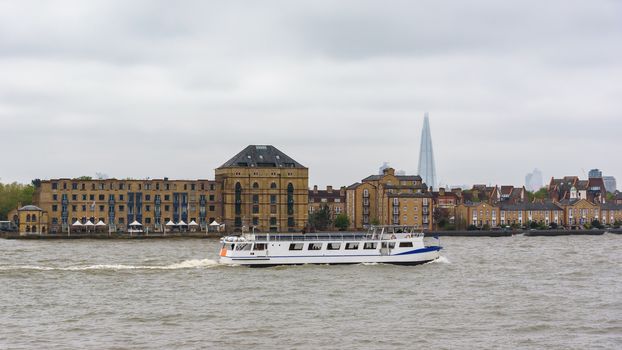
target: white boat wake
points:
(186, 264)
(441, 260)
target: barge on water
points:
(401, 245)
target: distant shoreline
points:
(214, 235)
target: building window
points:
(147, 208)
(272, 221)
(54, 185)
(290, 199)
(167, 208)
(147, 197)
(211, 197)
(212, 208)
(255, 185)
(273, 185)
(101, 208)
(272, 199)
(121, 208)
(54, 207)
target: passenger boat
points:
(401, 245)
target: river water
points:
(484, 293)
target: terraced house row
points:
(570, 202)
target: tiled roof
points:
(261, 156)
(353, 186)
(531, 206)
(611, 206)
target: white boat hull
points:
(414, 257)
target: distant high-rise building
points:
(427, 169)
(595, 173)
(610, 183)
(533, 180)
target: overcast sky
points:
(161, 88)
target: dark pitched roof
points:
(531, 206)
(611, 206)
(325, 194)
(506, 190)
(582, 185)
(261, 156)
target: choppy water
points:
(485, 293)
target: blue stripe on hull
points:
(422, 250)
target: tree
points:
(375, 221)
(596, 224)
(320, 220)
(13, 194)
(441, 217)
(342, 222)
(85, 178)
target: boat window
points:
(333, 246)
(228, 246)
(259, 246)
(352, 246)
(370, 245)
(315, 246)
(243, 246)
(295, 246)
(406, 244)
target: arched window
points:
(27, 217)
(255, 185)
(290, 199)
(365, 193)
(273, 185)
(33, 218)
(34, 228)
(43, 229)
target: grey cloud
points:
(128, 87)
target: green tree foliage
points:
(441, 217)
(542, 193)
(320, 220)
(12, 194)
(596, 224)
(85, 178)
(342, 222)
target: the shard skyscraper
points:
(427, 170)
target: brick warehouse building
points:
(260, 186)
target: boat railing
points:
(334, 236)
